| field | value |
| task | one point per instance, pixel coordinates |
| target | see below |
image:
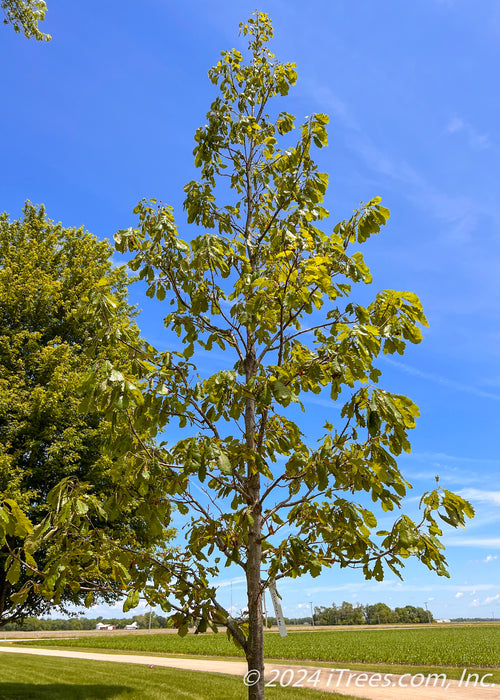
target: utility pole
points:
(312, 613)
(428, 613)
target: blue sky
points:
(105, 115)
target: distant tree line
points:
(349, 614)
(345, 614)
(34, 624)
(475, 619)
(377, 614)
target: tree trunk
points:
(255, 647)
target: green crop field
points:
(477, 646)
(43, 678)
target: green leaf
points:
(132, 600)
(81, 507)
(183, 630)
(281, 392)
(224, 464)
(14, 572)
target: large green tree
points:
(264, 282)
(24, 16)
(51, 454)
(380, 614)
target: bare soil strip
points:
(373, 686)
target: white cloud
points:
(482, 496)
(491, 599)
(441, 380)
(327, 403)
(473, 542)
(454, 458)
(398, 586)
(459, 213)
(444, 472)
(487, 560)
(116, 609)
(462, 472)
(455, 125)
(472, 589)
(477, 139)
(230, 581)
(459, 594)
(487, 601)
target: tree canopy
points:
(24, 16)
(51, 454)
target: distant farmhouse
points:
(100, 626)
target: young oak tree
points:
(265, 284)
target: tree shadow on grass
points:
(61, 691)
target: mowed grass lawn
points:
(37, 678)
(453, 646)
